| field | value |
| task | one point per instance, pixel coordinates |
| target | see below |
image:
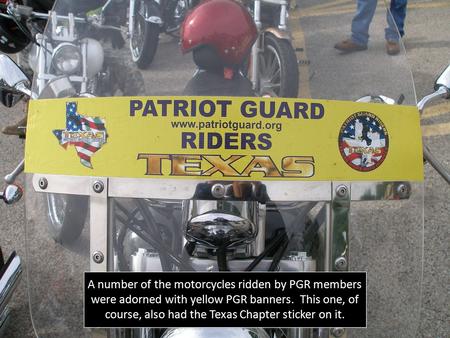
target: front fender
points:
(152, 12)
(280, 34)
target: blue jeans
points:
(364, 15)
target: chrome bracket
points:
(336, 258)
(99, 224)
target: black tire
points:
(144, 42)
(67, 215)
(281, 81)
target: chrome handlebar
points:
(442, 92)
(20, 11)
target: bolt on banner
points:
(233, 299)
(224, 138)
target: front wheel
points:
(278, 69)
(67, 215)
(144, 41)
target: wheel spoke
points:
(272, 85)
(270, 76)
(274, 64)
(276, 75)
(262, 65)
(137, 40)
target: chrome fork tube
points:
(283, 14)
(41, 62)
(84, 61)
(131, 18)
(256, 45)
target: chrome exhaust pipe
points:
(9, 279)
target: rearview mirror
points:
(11, 194)
(11, 76)
(443, 79)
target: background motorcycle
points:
(146, 20)
(70, 62)
(273, 64)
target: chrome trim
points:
(370, 191)
(337, 231)
(76, 51)
(443, 80)
(327, 245)
(131, 17)
(84, 65)
(9, 280)
(216, 228)
(441, 92)
(274, 2)
(283, 15)
(61, 184)
(186, 189)
(11, 194)
(154, 19)
(259, 243)
(11, 74)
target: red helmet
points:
(224, 25)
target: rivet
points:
(403, 191)
(98, 257)
(341, 191)
(98, 186)
(340, 263)
(337, 332)
(218, 190)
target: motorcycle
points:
(147, 19)
(68, 62)
(273, 63)
(441, 92)
(158, 203)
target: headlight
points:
(66, 58)
(210, 332)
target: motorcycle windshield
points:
(277, 216)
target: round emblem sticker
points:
(363, 141)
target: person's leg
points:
(361, 21)
(396, 20)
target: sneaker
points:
(392, 47)
(348, 46)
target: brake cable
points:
(273, 244)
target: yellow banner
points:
(224, 138)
